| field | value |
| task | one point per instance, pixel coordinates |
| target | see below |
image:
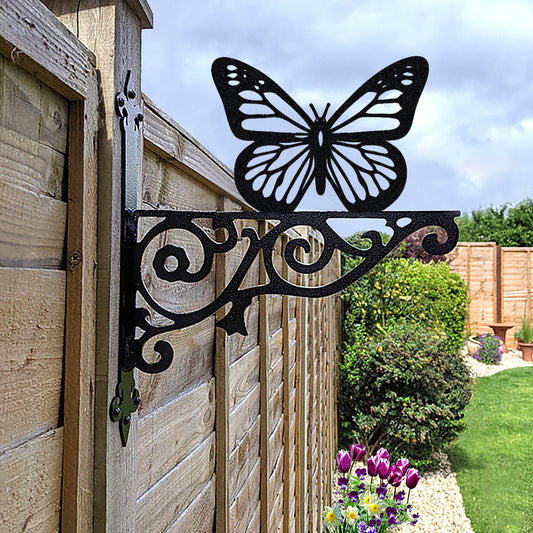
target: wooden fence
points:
(239, 434)
(500, 284)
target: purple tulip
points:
(412, 477)
(343, 461)
(372, 465)
(383, 468)
(402, 464)
(395, 476)
(357, 452)
(382, 453)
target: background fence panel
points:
(500, 284)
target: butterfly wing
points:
(256, 107)
(383, 108)
(367, 177)
(365, 170)
(274, 177)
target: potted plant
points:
(525, 340)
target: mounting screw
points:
(116, 412)
(120, 101)
(74, 260)
(137, 400)
(131, 94)
(127, 419)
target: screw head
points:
(131, 94)
(137, 400)
(120, 101)
(116, 412)
(127, 419)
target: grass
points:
(493, 457)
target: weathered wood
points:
(222, 376)
(264, 393)
(43, 46)
(242, 460)
(167, 186)
(243, 376)
(80, 327)
(242, 509)
(31, 352)
(164, 135)
(112, 31)
(275, 443)
(171, 433)
(301, 407)
(30, 498)
(275, 523)
(288, 388)
(200, 515)
(243, 416)
(195, 367)
(32, 227)
(163, 503)
(35, 167)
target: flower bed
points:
(371, 498)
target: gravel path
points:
(437, 497)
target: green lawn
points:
(493, 457)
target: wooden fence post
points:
(111, 29)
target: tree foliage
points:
(505, 225)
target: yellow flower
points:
(380, 349)
(351, 514)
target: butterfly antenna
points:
(326, 110)
(314, 111)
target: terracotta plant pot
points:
(527, 351)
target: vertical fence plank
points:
(80, 322)
(286, 401)
(264, 366)
(222, 399)
(301, 404)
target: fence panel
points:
(499, 284)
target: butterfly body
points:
(349, 151)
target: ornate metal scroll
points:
(171, 264)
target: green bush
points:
(407, 290)
(406, 391)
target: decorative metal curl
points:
(402, 224)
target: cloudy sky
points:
(471, 143)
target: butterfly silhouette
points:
(292, 150)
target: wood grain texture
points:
(163, 503)
(195, 367)
(43, 45)
(245, 505)
(165, 135)
(243, 416)
(242, 460)
(30, 498)
(31, 352)
(80, 327)
(243, 377)
(171, 433)
(222, 377)
(200, 515)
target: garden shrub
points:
(405, 290)
(406, 391)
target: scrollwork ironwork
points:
(139, 318)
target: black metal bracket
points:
(167, 251)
